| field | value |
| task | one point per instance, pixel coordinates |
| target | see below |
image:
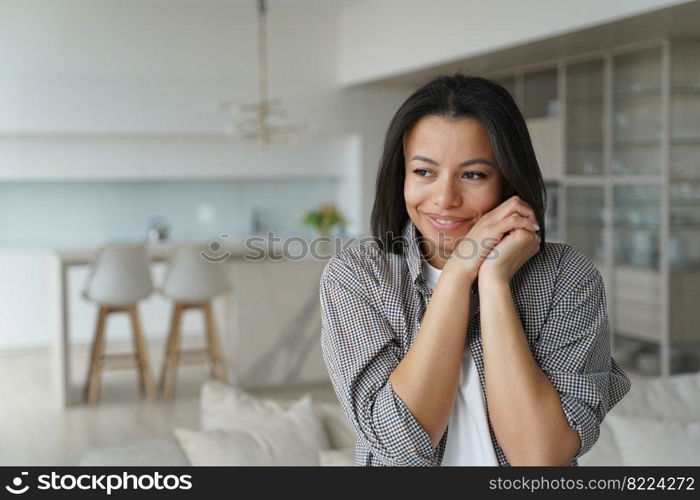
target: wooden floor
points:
(34, 430)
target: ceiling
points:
(681, 22)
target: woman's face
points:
(451, 173)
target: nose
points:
(447, 194)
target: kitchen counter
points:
(234, 248)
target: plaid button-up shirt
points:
(372, 303)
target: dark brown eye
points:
(482, 176)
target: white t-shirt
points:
(468, 438)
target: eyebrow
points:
(468, 163)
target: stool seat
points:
(119, 278)
(191, 278)
(120, 275)
(192, 281)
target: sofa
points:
(657, 423)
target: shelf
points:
(646, 226)
(685, 178)
(585, 146)
(577, 221)
(685, 141)
(685, 90)
(682, 202)
(637, 94)
(643, 226)
(622, 203)
(584, 103)
(585, 202)
(633, 143)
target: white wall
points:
(135, 71)
(136, 65)
(383, 38)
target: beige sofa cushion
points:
(225, 407)
(291, 437)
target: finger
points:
(515, 204)
(515, 221)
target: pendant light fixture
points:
(258, 127)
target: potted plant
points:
(323, 220)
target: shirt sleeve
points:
(573, 349)
(360, 350)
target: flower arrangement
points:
(324, 218)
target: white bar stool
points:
(120, 277)
(192, 282)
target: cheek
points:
(412, 194)
(486, 199)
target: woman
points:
(458, 336)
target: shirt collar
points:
(411, 250)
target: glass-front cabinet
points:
(617, 136)
(633, 196)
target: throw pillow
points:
(290, 438)
(226, 407)
(648, 441)
(674, 397)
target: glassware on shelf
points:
(637, 159)
(685, 109)
(637, 73)
(637, 223)
(637, 123)
(685, 159)
(685, 113)
(678, 252)
(584, 219)
(540, 94)
(684, 244)
(584, 118)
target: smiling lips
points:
(445, 223)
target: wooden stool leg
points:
(169, 374)
(215, 358)
(141, 354)
(92, 389)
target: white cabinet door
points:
(546, 135)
